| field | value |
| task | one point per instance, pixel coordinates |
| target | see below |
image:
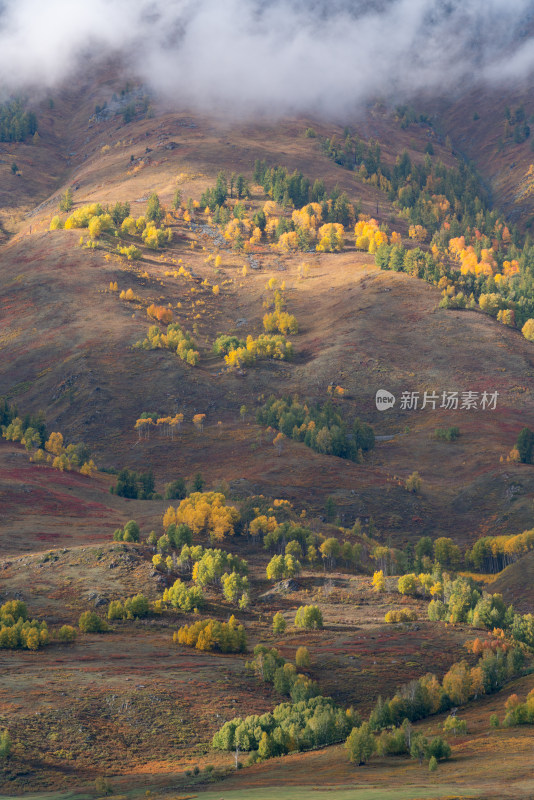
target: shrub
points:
(447, 434)
(455, 725)
(438, 749)
(408, 584)
(210, 634)
(308, 617)
(302, 658)
(528, 330)
(130, 533)
(413, 483)
(130, 608)
(401, 615)
(279, 623)
(90, 622)
(67, 633)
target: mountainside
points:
(160, 345)
(64, 333)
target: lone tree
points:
(413, 483)
(525, 445)
(154, 211)
(177, 199)
(279, 623)
(66, 201)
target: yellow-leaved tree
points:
(207, 512)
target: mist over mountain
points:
(250, 56)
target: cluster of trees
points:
(494, 553)
(454, 725)
(175, 537)
(71, 457)
(280, 321)
(16, 630)
(224, 343)
(269, 666)
(369, 236)
(449, 204)
(361, 744)
(306, 228)
(92, 214)
(429, 557)
(205, 512)
(426, 696)
(224, 188)
(421, 584)
(16, 124)
(129, 608)
(296, 191)
(406, 115)
(129, 295)
(14, 428)
(293, 539)
(442, 550)
(66, 634)
(464, 603)
(175, 339)
(100, 219)
(131, 252)
(352, 152)
(210, 634)
(288, 728)
(184, 597)
(331, 238)
(177, 488)
(515, 125)
(418, 264)
(280, 567)
(218, 569)
(134, 485)
(43, 448)
(167, 426)
(265, 346)
(317, 215)
(518, 713)
(320, 427)
(154, 237)
(160, 313)
(214, 568)
(273, 344)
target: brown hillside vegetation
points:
(66, 341)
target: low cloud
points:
(273, 58)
